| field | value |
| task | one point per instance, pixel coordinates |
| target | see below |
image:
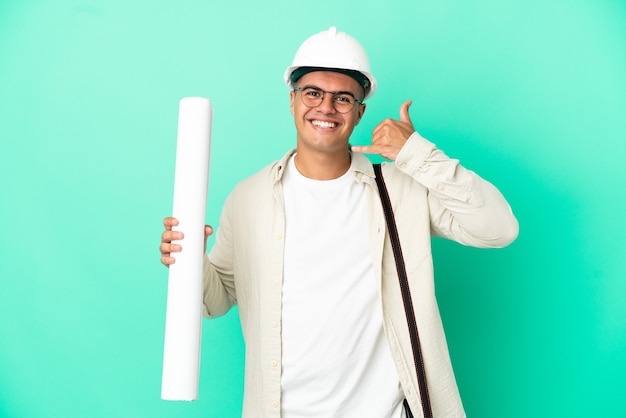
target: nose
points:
(327, 105)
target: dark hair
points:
(358, 76)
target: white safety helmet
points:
(334, 51)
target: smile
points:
(324, 124)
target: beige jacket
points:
(432, 195)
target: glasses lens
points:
(313, 97)
(343, 102)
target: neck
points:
(322, 166)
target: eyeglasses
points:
(343, 101)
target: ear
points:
(292, 96)
(360, 113)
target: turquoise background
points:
(530, 94)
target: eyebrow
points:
(310, 86)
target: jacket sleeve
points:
(463, 206)
(218, 272)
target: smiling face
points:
(322, 129)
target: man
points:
(303, 251)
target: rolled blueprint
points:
(183, 320)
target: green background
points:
(530, 94)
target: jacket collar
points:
(361, 166)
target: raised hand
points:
(390, 135)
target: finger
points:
(386, 127)
(169, 222)
(168, 236)
(404, 112)
(208, 230)
(167, 261)
(378, 128)
(385, 131)
(166, 248)
(365, 149)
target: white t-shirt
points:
(335, 358)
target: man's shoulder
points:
(264, 178)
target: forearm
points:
(463, 206)
(219, 278)
(219, 291)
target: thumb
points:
(404, 112)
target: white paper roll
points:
(183, 321)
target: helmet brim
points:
(366, 80)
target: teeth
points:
(323, 124)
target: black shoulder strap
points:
(406, 292)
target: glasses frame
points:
(324, 92)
